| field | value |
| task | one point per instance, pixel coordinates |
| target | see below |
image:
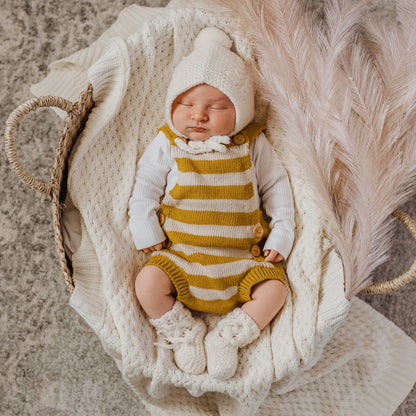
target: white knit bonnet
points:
(212, 62)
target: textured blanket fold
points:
(292, 360)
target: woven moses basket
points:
(56, 189)
(150, 371)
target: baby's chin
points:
(199, 135)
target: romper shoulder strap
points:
(249, 133)
(171, 136)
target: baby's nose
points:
(199, 113)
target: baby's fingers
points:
(269, 255)
(158, 247)
(278, 258)
(148, 250)
(272, 256)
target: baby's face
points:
(203, 111)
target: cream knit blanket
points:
(129, 83)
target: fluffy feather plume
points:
(381, 73)
(344, 89)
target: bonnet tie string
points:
(214, 143)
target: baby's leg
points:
(174, 323)
(268, 297)
(155, 291)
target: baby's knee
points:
(151, 281)
(269, 289)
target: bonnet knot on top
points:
(212, 35)
(212, 62)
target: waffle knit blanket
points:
(291, 368)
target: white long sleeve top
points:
(156, 175)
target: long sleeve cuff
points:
(280, 240)
(146, 233)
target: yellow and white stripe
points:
(212, 219)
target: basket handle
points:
(9, 136)
(402, 280)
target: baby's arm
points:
(149, 187)
(276, 195)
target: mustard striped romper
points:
(214, 227)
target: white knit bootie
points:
(180, 331)
(235, 330)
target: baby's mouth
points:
(197, 129)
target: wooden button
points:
(167, 243)
(255, 250)
(239, 139)
(258, 231)
(162, 218)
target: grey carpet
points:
(51, 361)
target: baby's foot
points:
(234, 331)
(189, 350)
(180, 331)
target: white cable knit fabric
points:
(291, 369)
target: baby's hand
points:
(272, 256)
(148, 250)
